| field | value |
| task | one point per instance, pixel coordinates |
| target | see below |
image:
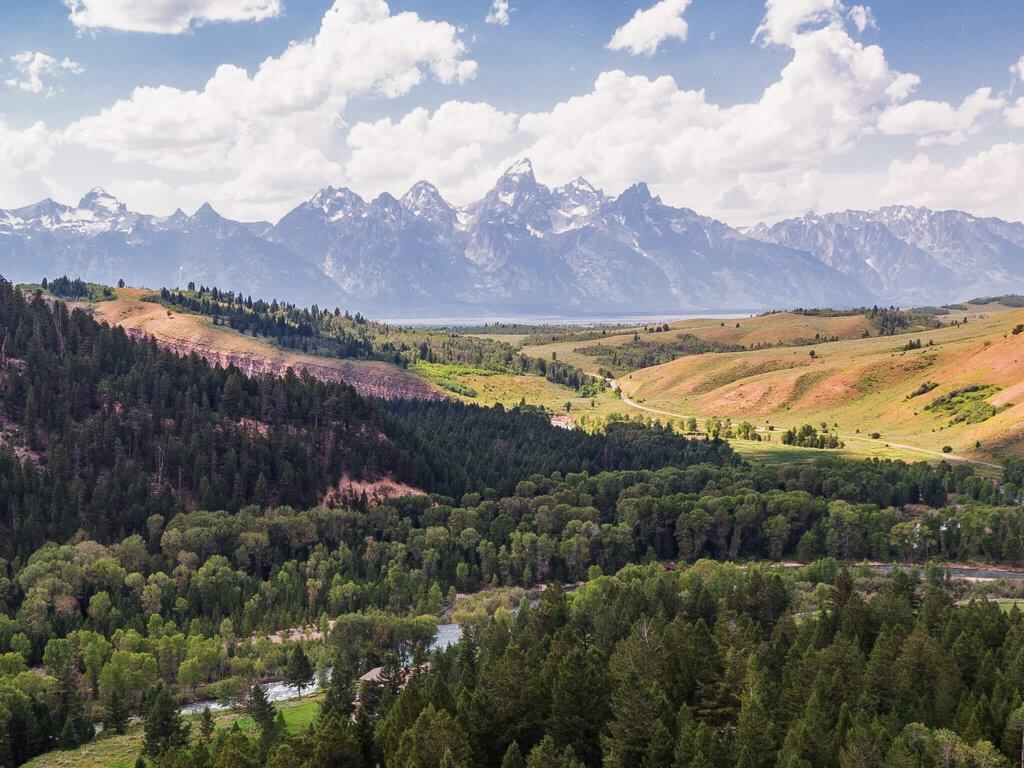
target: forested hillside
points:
(176, 606)
(341, 334)
(101, 431)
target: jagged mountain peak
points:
(207, 214)
(425, 201)
(332, 200)
(521, 169)
(526, 248)
(98, 200)
(45, 207)
(911, 255)
(639, 193)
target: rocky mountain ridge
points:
(523, 248)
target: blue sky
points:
(834, 104)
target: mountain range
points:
(523, 249)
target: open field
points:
(862, 386)
(776, 452)
(115, 751)
(767, 330)
(187, 333)
(510, 390)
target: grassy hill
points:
(865, 386)
(187, 332)
(781, 329)
(786, 369)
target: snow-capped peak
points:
(99, 201)
(337, 203)
(583, 184)
(521, 170)
(425, 201)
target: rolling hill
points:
(866, 385)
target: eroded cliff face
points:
(368, 378)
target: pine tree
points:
(299, 672)
(579, 702)
(338, 699)
(754, 741)
(236, 751)
(206, 724)
(513, 757)
(544, 755)
(259, 708)
(116, 714)
(164, 728)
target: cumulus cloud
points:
(273, 133)
(987, 181)
(1015, 114)
(939, 122)
(827, 97)
(650, 27)
(785, 18)
(753, 159)
(23, 153)
(453, 148)
(24, 150)
(500, 13)
(166, 16)
(861, 17)
(1017, 68)
(33, 68)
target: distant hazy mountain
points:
(523, 248)
(527, 248)
(101, 241)
(912, 255)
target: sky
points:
(746, 110)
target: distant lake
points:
(582, 320)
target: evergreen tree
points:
(434, 733)
(236, 751)
(754, 740)
(116, 714)
(513, 757)
(336, 744)
(579, 702)
(299, 672)
(544, 755)
(206, 724)
(259, 708)
(163, 725)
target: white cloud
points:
(650, 27)
(694, 151)
(274, 134)
(988, 182)
(1015, 113)
(862, 17)
(453, 148)
(499, 13)
(33, 67)
(23, 153)
(166, 16)
(23, 150)
(1017, 68)
(938, 122)
(785, 18)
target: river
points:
(447, 635)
